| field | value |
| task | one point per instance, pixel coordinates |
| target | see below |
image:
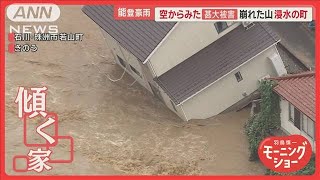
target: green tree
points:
(261, 125)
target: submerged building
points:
(198, 69)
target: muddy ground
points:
(117, 128)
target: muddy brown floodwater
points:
(117, 128)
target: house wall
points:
(288, 126)
(179, 111)
(227, 91)
(144, 69)
(130, 59)
(186, 39)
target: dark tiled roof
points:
(215, 61)
(140, 37)
(299, 90)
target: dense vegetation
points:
(309, 169)
(262, 125)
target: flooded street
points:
(117, 128)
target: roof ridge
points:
(289, 76)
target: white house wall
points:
(185, 40)
(167, 102)
(227, 91)
(288, 126)
(129, 58)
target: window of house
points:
(301, 121)
(220, 26)
(174, 107)
(122, 62)
(307, 126)
(291, 113)
(238, 76)
(135, 71)
(296, 118)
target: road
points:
(298, 40)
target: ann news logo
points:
(33, 13)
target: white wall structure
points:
(227, 91)
(278, 64)
(288, 126)
(129, 58)
(176, 109)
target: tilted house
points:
(198, 69)
(297, 104)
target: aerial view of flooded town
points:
(158, 98)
